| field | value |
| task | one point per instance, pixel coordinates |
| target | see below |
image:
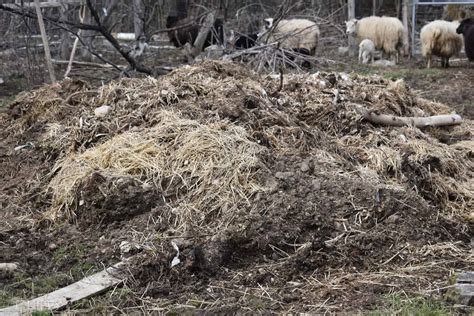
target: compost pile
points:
(278, 195)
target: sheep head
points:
(351, 27)
(464, 25)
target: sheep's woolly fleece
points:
(439, 38)
(385, 32)
(292, 181)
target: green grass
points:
(399, 304)
(406, 72)
(5, 101)
(392, 72)
(25, 287)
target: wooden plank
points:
(465, 277)
(47, 52)
(83, 63)
(47, 4)
(465, 288)
(466, 294)
(58, 299)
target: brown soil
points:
(340, 220)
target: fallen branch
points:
(82, 63)
(101, 29)
(58, 299)
(82, 14)
(420, 122)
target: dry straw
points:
(214, 165)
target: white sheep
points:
(296, 34)
(439, 38)
(385, 32)
(366, 51)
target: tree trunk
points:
(88, 36)
(374, 7)
(201, 38)
(65, 36)
(406, 45)
(351, 15)
(138, 17)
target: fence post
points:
(351, 15)
(47, 52)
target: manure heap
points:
(279, 198)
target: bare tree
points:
(138, 17)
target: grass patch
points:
(399, 304)
(5, 101)
(393, 72)
(404, 73)
(25, 287)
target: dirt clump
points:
(277, 199)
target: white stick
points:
(82, 12)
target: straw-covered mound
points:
(204, 169)
(276, 195)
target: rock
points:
(8, 267)
(1, 81)
(343, 51)
(305, 166)
(392, 219)
(316, 184)
(52, 246)
(102, 111)
(283, 175)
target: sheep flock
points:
(372, 34)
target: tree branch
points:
(102, 30)
(98, 28)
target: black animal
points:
(187, 31)
(246, 41)
(299, 53)
(466, 28)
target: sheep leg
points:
(429, 62)
(360, 57)
(446, 62)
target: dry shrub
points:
(207, 168)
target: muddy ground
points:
(320, 240)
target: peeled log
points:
(390, 120)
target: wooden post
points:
(414, 4)
(47, 52)
(351, 15)
(374, 7)
(406, 45)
